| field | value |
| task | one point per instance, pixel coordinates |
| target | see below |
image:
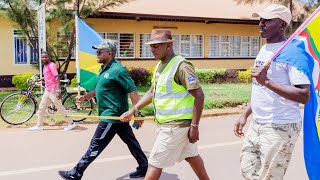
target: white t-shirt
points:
(267, 106)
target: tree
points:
(23, 14)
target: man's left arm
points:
(58, 87)
(197, 111)
(54, 71)
(188, 79)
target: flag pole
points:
(77, 58)
(297, 32)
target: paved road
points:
(28, 155)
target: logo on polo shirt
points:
(106, 75)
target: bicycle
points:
(20, 107)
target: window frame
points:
(152, 57)
(118, 43)
(179, 45)
(19, 35)
(190, 43)
(250, 56)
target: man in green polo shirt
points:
(178, 102)
(112, 88)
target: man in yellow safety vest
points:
(178, 102)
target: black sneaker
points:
(68, 176)
(138, 174)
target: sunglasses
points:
(101, 51)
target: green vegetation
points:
(245, 76)
(20, 80)
(216, 96)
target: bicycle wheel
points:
(70, 104)
(17, 108)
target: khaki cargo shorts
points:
(171, 146)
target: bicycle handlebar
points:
(65, 80)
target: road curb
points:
(221, 114)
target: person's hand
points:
(260, 74)
(238, 126)
(58, 94)
(140, 122)
(193, 134)
(126, 116)
(39, 80)
(79, 99)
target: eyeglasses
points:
(101, 51)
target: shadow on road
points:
(168, 176)
(164, 176)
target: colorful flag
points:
(303, 53)
(87, 58)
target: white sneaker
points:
(36, 128)
(70, 126)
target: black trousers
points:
(102, 137)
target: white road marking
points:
(118, 158)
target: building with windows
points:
(209, 33)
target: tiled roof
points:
(220, 9)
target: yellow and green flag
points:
(87, 65)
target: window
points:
(234, 46)
(24, 53)
(145, 49)
(63, 45)
(124, 42)
(188, 46)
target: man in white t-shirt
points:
(277, 90)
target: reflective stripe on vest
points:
(172, 101)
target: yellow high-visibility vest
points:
(171, 100)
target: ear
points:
(283, 25)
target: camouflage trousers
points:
(267, 150)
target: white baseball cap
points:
(275, 11)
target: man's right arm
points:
(144, 101)
(241, 122)
(87, 96)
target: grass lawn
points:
(216, 96)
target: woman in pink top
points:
(51, 94)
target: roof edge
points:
(154, 17)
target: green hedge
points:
(210, 75)
(20, 80)
(73, 82)
(142, 76)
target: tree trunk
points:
(71, 45)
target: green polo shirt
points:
(114, 83)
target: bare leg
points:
(198, 167)
(153, 173)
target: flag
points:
(87, 58)
(303, 52)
